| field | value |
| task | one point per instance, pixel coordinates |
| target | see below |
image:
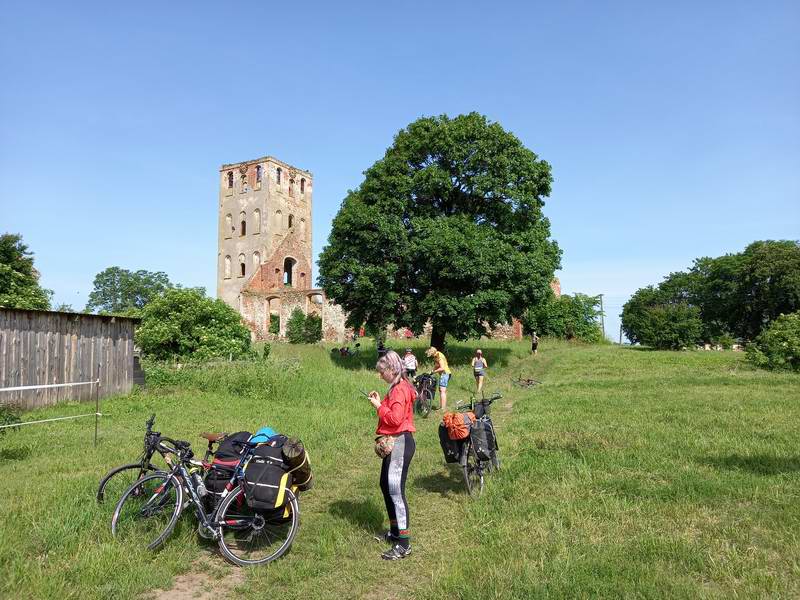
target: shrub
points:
(568, 317)
(312, 330)
(274, 325)
(266, 350)
(778, 346)
(186, 323)
(8, 416)
(666, 326)
(295, 327)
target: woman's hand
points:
(374, 399)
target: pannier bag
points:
(450, 448)
(225, 460)
(266, 476)
(296, 457)
(482, 436)
(458, 424)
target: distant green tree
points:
(295, 327)
(63, 307)
(447, 227)
(274, 325)
(186, 323)
(312, 329)
(778, 346)
(122, 292)
(567, 317)
(19, 281)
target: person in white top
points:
(410, 362)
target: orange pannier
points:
(458, 424)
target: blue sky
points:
(673, 129)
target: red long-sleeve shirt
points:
(396, 412)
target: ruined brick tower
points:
(264, 251)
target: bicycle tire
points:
(423, 403)
(284, 532)
(473, 472)
(163, 484)
(101, 489)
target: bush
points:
(312, 330)
(8, 416)
(666, 326)
(274, 325)
(266, 350)
(778, 346)
(186, 323)
(295, 327)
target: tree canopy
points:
(19, 280)
(446, 227)
(568, 317)
(734, 295)
(122, 292)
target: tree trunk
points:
(437, 336)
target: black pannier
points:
(267, 476)
(228, 450)
(225, 460)
(482, 436)
(450, 448)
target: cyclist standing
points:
(440, 362)
(396, 428)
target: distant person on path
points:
(381, 349)
(479, 366)
(441, 367)
(410, 362)
(396, 426)
(534, 343)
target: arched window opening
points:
(278, 219)
(242, 266)
(230, 179)
(256, 260)
(291, 221)
(227, 267)
(302, 186)
(303, 229)
(243, 228)
(258, 173)
(288, 268)
(291, 186)
(228, 225)
(256, 221)
(278, 176)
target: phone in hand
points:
(363, 393)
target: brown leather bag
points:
(384, 444)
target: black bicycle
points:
(472, 465)
(150, 508)
(120, 478)
(426, 390)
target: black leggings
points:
(394, 471)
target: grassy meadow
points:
(626, 473)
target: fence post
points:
(96, 404)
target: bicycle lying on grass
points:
(473, 464)
(151, 506)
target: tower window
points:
(256, 260)
(243, 227)
(291, 221)
(242, 266)
(291, 186)
(256, 221)
(258, 173)
(278, 176)
(303, 186)
(288, 268)
(228, 225)
(227, 267)
(230, 179)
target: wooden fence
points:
(43, 348)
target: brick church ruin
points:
(265, 257)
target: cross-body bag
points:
(384, 444)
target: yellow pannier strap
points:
(286, 510)
(281, 489)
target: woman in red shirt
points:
(396, 419)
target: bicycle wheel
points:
(423, 404)
(473, 472)
(149, 509)
(119, 479)
(256, 537)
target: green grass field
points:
(626, 473)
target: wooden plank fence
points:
(43, 347)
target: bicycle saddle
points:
(213, 437)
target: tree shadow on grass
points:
(457, 354)
(445, 484)
(758, 464)
(20, 453)
(363, 513)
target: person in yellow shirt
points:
(441, 367)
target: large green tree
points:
(19, 280)
(122, 292)
(446, 227)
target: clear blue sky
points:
(673, 129)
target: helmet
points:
(263, 435)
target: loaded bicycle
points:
(479, 450)
(425, 383)
(151, 506)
